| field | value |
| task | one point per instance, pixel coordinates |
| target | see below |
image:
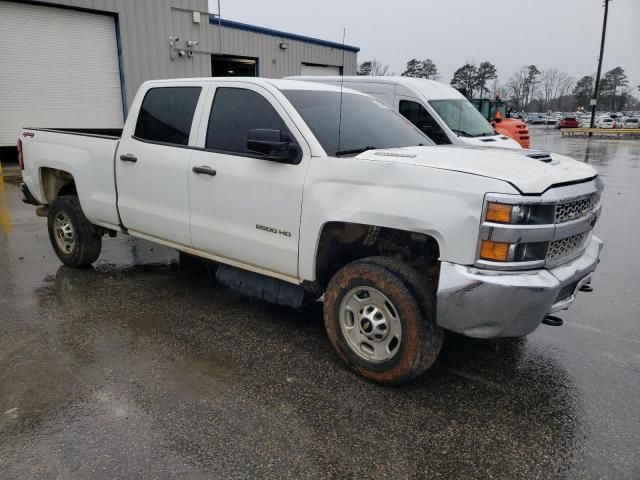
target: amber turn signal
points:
(498, 212)
(494, 251)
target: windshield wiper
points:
(462, 132)
(353, 151)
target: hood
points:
(530, 171)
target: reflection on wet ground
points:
(145, 368)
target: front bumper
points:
(488, 303)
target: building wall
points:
(273, 61)
(145, 27)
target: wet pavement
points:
(141, 368)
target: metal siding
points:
(145, 27)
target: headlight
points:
(525, 214)
(512, 252)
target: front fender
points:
(440, 203)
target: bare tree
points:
(516, 88)
(565, 85)
(549, 83)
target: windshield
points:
(462, 117)
(366, 123)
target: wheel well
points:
(341, 243)
(56, 183)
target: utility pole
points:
(596, 92)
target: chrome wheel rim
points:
(370, 324)
(64, 233)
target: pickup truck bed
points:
(89, 155)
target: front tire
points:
(73, 237)
(380, 318)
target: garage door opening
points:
(59, 68)
(233, 66)
(319, 70)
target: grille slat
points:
(575, 208)
(560, 249)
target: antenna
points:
(344, 34)
(219, 28)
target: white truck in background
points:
(440, 111)
(296, 190)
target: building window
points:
(166, 114)
(233, 66)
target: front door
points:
(249, 210)
(152, 165)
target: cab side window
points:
(418, 115)
(235, 111)
(166, 115)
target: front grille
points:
(567, 246)
(575, 208)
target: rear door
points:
(152, 163)
(249, 211)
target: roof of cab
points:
(430, 89)
(280, 84)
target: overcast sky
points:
(564, 34)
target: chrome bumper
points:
(488, 303)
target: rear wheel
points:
(73, 237)
(379, 317)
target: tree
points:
(464, 79)
(485, 71)
(421, 69)
(531, 82)
(373, 67)
(615, 79)
(549, 82)
(515, 87)
(565, 85)
(582, 90)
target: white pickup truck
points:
(298, 191)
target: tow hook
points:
(586, 288)
(553, 321)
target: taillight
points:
(20, 157)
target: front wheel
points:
(73, 237)
(379, 317)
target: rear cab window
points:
(166, 115)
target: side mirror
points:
(272, 144)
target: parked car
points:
(536, 119)
(631, 122)
(299, 191)
(584, 121)
(605, 122)
(569, 122)
(438, 109)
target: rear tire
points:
(380, 318)
(74, 239)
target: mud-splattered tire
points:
(73, 237)
(371, 301)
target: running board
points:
(261, 287)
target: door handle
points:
(204, 170)
(128, 157)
